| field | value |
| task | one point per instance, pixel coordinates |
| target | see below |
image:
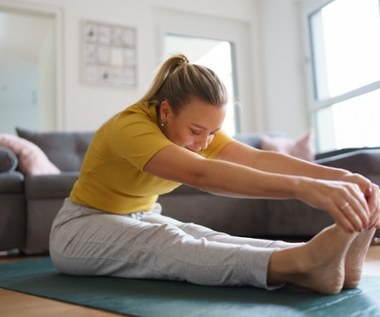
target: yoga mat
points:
(135, 297)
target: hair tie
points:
(183, 60)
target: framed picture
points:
(108, 55)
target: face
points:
(194, 127)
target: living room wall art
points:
(108, 55)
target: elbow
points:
(197, 180)
(200, 177)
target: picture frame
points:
(108, 55)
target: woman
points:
(111, 223)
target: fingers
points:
(344, 201)
(356, 220)
(344, 222)
(375, 219)
(363, 182)
(359, 205)
(373, 197)
(351, 208)
(374, 205)
(373, 201)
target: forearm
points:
(275, 162)
(225, 178)
(284, 164)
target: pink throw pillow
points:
(302, 147)
(32, 161)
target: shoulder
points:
(139, 111)
(220, 141)
(134, 134)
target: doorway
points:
(28, 77)
(218, 43)
(216, 55)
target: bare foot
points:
(355, 258)
(318, 264)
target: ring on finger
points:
(345, 205)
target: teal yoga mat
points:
(164, 298)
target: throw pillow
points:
(301, 147)
(8, 160)
(65, 149)
(32, 161)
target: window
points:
(219, 43)
(345, 49)
(214, 54)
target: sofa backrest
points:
(253, 140)
(64, 149)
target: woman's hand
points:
(374, 205)
(372, 194)
(343, 200)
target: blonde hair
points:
(178, 81)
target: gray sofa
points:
(12, 202)
(28, 204)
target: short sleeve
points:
(136, 138)
(220, 140)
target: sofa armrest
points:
(50, 186)
(8, 160)
(11, 182)
(365, 162)
(328, 154)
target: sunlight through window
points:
(214, 54)
(345, 37)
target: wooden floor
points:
(13, 304)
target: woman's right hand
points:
(344, 201)
(374, 203)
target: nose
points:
(202, 142)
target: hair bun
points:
(183, 60)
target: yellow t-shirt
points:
(112, 178)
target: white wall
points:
(276, 98)
(283, 66)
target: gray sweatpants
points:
(85, 241)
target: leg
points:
(318, 265)
(353, 262)
(198, 232)
(86, 242)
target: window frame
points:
(310, 7)
(236, 32)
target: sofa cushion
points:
(8, 160)
(32, 160)
(65, 149)
(49, 187)
(301, 147)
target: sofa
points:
(12, 202)
(30, 201)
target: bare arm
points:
(229, 178)
(218, 176)
(277, 163)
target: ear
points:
(165, 110)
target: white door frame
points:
(236, 32)
(16, 6)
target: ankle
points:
(285, 264)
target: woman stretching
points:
(111, 224)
